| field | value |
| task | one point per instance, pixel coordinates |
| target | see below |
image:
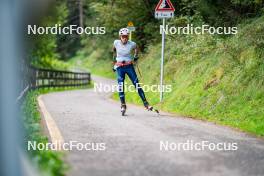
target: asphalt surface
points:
(133, 142)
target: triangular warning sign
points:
(165, 5)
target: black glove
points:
(136, 58)
(114, 68)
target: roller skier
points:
(124, 65)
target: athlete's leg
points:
(133, 77)
(120, 79)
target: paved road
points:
(133, 142)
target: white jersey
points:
(124, 50)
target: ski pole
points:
(138, 70)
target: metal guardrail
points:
(53, 78)
(34, 78)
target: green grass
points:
(48, 162)
(214, 78)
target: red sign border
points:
(170, 4)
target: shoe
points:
(150, 108)
(123, 109)
(147, 106)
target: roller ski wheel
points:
(123, 110)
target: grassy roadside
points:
(213, 78)
(47, 162)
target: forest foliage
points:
(49, 50)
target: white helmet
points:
(124, 31)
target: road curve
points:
(133, 142)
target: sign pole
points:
(162, 61)
(130, 36)
(163, 10)
(131, 28)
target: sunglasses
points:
(124, 36)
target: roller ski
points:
(123, 109)
(151, 108)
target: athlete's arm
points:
(136, 51)
(114, 58)
(114, 53)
